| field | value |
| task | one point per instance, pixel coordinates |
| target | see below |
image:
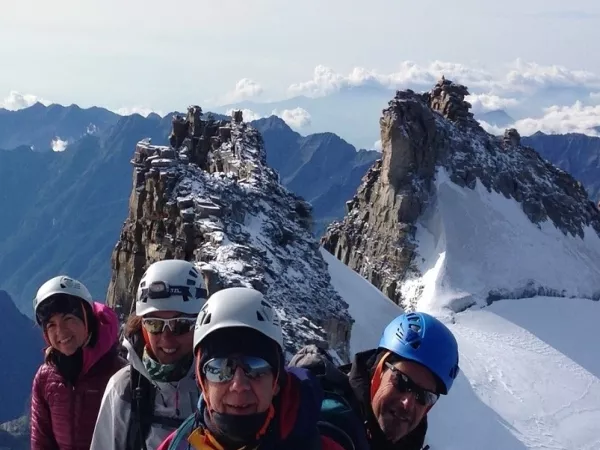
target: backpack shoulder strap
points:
(341, 422)
(337, 434)
(183, 431)
(141, 393)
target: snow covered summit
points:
(211, 198)
(452, 216)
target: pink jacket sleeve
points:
(42, 437)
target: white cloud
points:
(527, 76)
(577, 118)
(326, 81)
(295, 118)
(244, 89)
(16, 101)
(521, 77)
(377, 145)
(247, 114)
(595, 96)
(492, 129)
(141, 110)
(487, 102)
(58, 145)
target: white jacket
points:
(115, 410)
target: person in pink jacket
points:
(80, 359)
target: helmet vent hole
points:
(260, 317)
(193, 273)
(206, 319)
(416, 328)
(415, 345)
(191, 282)
(143, 284)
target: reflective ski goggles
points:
(222, 370)
(403, 383)
(177, 325)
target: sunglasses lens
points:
(221, 370)
(404, 384)
(153, 326)
(182, 326)
(430, 398)
(255, 367)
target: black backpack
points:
(142, 394)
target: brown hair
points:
(133, 326)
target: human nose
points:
(167, 333)
(239, 381)
(61, 327)
(408, 400)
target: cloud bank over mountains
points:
(547, 98)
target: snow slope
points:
(473, 245)
(371, 310)
(529, 369)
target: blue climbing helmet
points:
(422, 338)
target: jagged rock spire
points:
(211, 198)
(448, 98)
(421, 133)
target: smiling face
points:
(66, 333)
(242, 395)
(167, 347)
(398, 413)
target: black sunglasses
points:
(222, 370)
(403, 383)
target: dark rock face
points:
(211, 198)
(420, 133)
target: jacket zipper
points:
(73, 415)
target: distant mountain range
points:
(577, 154)
(64, 210)
(38, 125)
(497, 117)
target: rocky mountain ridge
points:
(211, 198)
(420, 134)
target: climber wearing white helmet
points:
(80, 359)
(147, 400)
(249, 400)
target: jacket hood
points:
(107, 337)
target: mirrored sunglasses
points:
(222, 370)
(177, 325)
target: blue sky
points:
(126, 53)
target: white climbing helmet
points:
(61, 284)
(171, 285)
(238, 307)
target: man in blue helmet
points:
(381, 400)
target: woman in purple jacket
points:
(81, 357)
